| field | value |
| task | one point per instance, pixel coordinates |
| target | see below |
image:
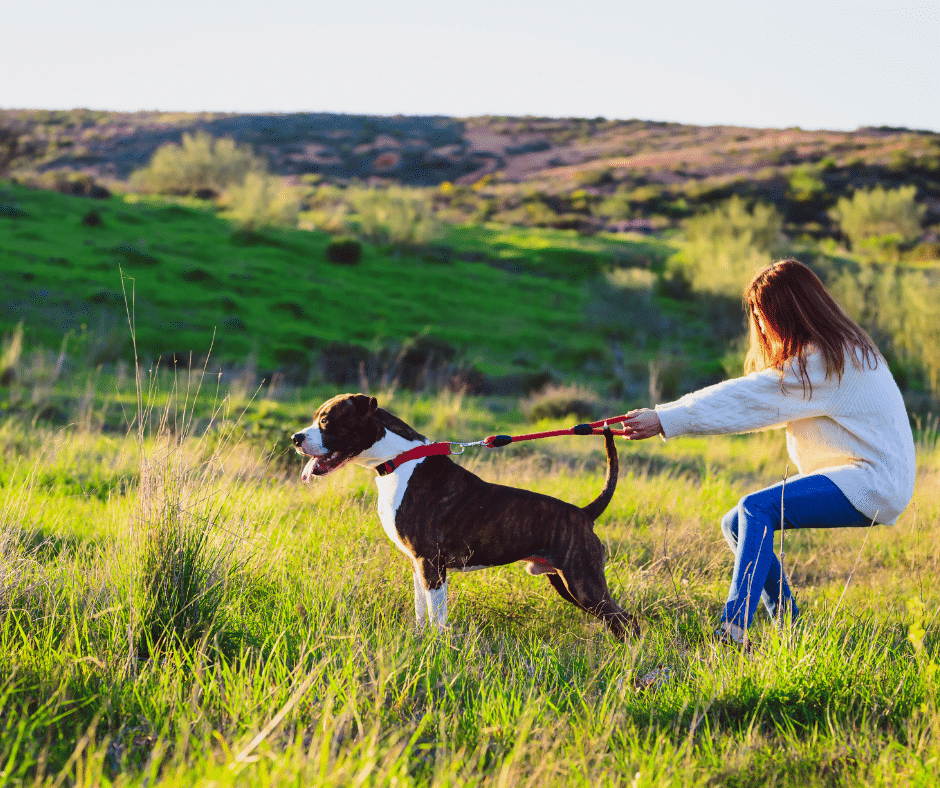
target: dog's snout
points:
(297, 438)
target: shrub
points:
(901, 310)
(188, 549)
(925, 252)
(420, 357)
(879, 221)
(396, 215)
(183, 577)
(805, 184)
(10, 354)
(344, 251)
(341, 362)
(560, 401)
(724, 247)
(65, 181)
(327, 210)
(200, 163)
(616, 207)
(262, 200)
(92, 219)
(594, 177)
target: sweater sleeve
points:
(751, 403)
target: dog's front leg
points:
(434, 586)
(421, 600)
(437, 606)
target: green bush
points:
(262, 200)
(560, 401)
(200, 163)
(901, 310)
(65, 181)
(397, 215)
(594, 177)
(805, 184)
(878, 221)
(725, 246)
(344, 251)
(925, 252)
(616, 207)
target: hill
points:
(627, 170)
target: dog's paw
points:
(654, 679)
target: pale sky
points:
(832, 65)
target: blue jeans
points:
(808, 502)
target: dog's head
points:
(345, 426)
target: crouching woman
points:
(815, 372)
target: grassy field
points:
(175, 606)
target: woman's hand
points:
(641, 424)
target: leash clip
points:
(463, 446)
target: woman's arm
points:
(747, 404)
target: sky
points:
(816, 65)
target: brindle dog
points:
(443, 517)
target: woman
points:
(816, 372)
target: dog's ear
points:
(365, 406)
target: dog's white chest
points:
(391, 491)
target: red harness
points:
(495, 442)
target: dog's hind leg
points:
(593, 597)
(597, 601)
(559, 585)
(582, 575)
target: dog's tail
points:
(597, 506)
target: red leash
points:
(495, 442)
(593, 428)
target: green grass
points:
(176, 607)
(303, 666)
(507, 300)
(560, 253)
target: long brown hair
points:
(798, 312)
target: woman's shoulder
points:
(854, 359)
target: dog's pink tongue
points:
(307, 472)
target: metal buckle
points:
(463, 446)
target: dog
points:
(445, 518)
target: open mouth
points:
(322, 465)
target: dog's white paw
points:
(655, 679)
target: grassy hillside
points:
(497, 300)
(523, 250)
(487, 308)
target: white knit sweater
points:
(854, 431)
